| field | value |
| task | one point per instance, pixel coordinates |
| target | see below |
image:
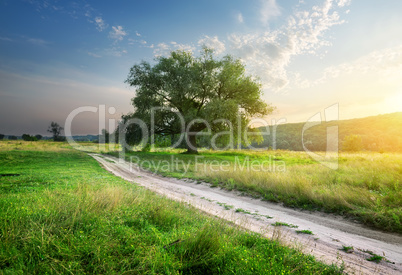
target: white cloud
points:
(161, 49)
(138, 34)
(214, 43)
(164, 49)
(98, 20)
(380, 70)
(140, 42)
(183, 47)
(240, 17)
(37, 41)
(386, 63)
(94, 55)
(75, 9)
(342, 3)
(268, 54)
(116, 52)
(5, 39)
(269, 9)
(131, 41)
(100, 23)
(117, 33)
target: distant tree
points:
(352, 143)
(38, 137)
(56, 129)
(1, 136)
(12, 138)
(26, 137)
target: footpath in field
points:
(333, 239)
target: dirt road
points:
(331, 232)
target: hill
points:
(380, 133)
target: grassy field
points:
(367, 187)
(64, 214)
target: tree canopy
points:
(182, 93)
(27, 137)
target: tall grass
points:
(64, 214)
(366, 186)
(8, 145)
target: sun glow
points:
(393, 103)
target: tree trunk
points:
(191, 143)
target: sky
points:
(57, 56)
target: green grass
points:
(347, 249)
(241, 210)
(65, 214)
(225, 205)
(374, 257)
(285, 224)
(307, 232)
(367, 187)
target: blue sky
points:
(56, 56)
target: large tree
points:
(202, 89)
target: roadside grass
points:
(225, 205)
(374, 257)
(66, 214)
(285, 224)
(347, 249)
(307, 232)
(241, 210)
(42, 145)
(367, 187)
(171, 162)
